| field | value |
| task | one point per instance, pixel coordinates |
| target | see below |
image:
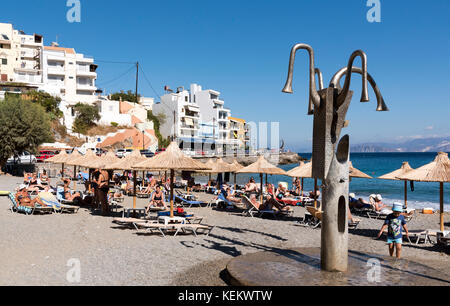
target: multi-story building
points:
(238, 131)
(20, 56)
(197, 117)
(69, 75)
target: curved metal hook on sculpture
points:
(346, 88)
(311, 103)
(314, 96)
(336, 83)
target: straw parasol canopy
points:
(262, 166)
(58, 159)
(85, 160)
(71, 157)
(218, 166)
(397, 173)
(357, 173)
(236, 166)
(109, 159)
(406, 168)
(127, 162)
(172, 159)
(303, 171)
(436, 171)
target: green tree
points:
(49, 102)
(24, 126)
(163, 142)
(86, 115)
(125, 96)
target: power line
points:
(149, 83)
(114, 62)
(117, 78)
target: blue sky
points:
(241, 48)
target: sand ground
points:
(39, 250)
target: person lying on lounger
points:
(157, 200)
(68, 196)
(228, 194)
(251, 186)
(24, 199)
(269, 204)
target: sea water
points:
(376, 165)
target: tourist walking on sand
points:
(394, 223)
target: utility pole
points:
(174, 126)
(137, 79)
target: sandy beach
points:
(36, 249)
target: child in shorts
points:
(394, 223)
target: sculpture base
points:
(301, 267)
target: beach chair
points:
(312, 218)
(186, 196)
(60, 196)
(26, 209)
(252, 211)
(50, 200)
(185, 202)
(374, 214)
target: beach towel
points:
(49, 200)
(4, 193)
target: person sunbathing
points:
(251, 186)
(44, 178)
(27, 177)
(228, 194)
(157, 200)
(269, 204)
(68, 196)
(23, 198)
(377, 202)
(282, 192)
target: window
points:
(4, 61)
(5, 37)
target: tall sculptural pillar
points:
(330, 156)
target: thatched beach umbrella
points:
(303, 171)
(127, 163)
(172, 159)
(357, 173)
(84, 161)
(73, 156)
(59, 159)
(236, 167)
(262, 166)
(436, 171)
(406, 168)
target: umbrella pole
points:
(406, 194)
(74, 177)
(261, 189)
(301, 188)
(315, 193)
(62, 173)
(171, 192)
(235, 184)
(442, 206)
(134, 189)
(90, 174)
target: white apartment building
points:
(20, 56)
(197, 116)
(69, 75)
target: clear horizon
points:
(242, 49)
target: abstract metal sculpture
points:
(329, 107)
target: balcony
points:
(86, 87)
(218, 101)
(56, 71)
(87, 73)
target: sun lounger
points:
(26, 209)
(185, 202)
(176, 228)
(129, 222)
(252, 211)
(60, 196)
(51, 201)
(312, 218)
